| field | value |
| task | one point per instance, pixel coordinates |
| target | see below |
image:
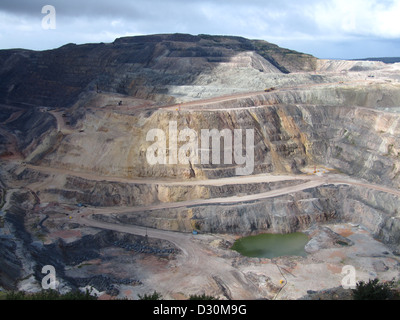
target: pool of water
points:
(272, 245)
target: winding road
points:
(195, 257)
(182, 240)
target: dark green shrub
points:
(201, 297)
(154, 296)
(374, 290)
(50, 295)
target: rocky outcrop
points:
(341, 128)
(284, 214)
(23, 255)
(111, 95)
(26, 129)
(374, 210)
(143, 66)
(109, 193)
(15, 257)
(323, 238)
(293, 127)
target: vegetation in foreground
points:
(374, 289)
(49, 295)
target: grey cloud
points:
(293, 24)
(94, 8)
(146, 8)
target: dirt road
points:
(195, 260)
(309, 181)
(187, 182)
(203, 102)
(194, 263)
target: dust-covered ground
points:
(95, 152)
(177, 265)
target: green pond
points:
(272, 245)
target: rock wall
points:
(23, 254)
(15, 256)
(144, 66)
(344, 129)
(376, 211)
(27, 130)
(284, 214)
(108, 193)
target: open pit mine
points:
(135, 166)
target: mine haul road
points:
(195, 260)
(176, 237)
(191, 105)
(194, 257)
(310, 181)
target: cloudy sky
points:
(342, 29)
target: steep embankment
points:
(74, 131)
(333, 135)
(283, 211)
(145, 66)
(345, 128)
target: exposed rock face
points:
(92, 149)
(293, 128)
(377, 211)
(25, 129)
(299, 211)
(338, 128)
(108, 194)
(277, 215)
(15, 256)
(144, 66)
(324, 237)
(22, 256)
